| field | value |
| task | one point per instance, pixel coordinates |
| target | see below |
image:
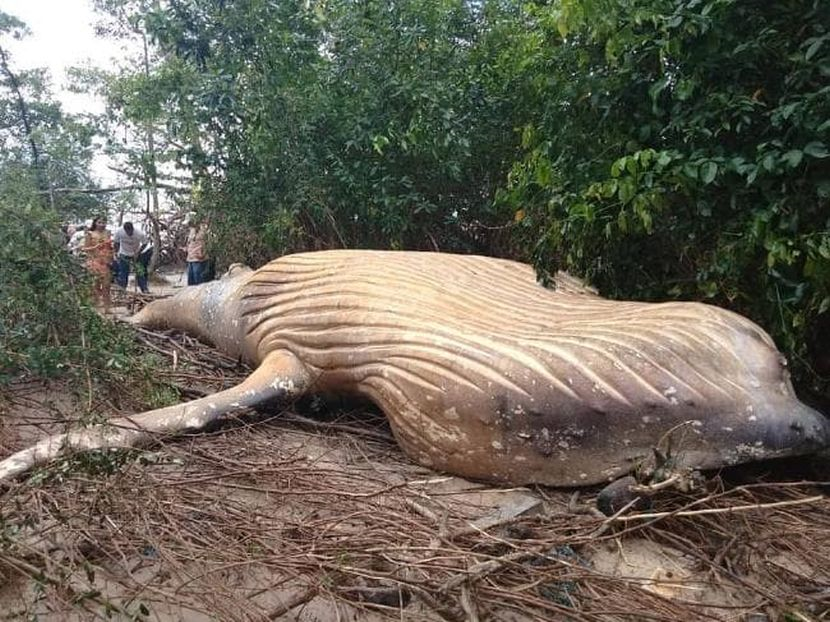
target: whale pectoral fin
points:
(280, 378)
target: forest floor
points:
(314, 514)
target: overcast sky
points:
(63, 35)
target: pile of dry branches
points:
(287, 517)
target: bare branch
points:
(140, 187)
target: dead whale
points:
(481, 371)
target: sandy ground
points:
(163, 283)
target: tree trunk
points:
(23, 112)
(152, 177)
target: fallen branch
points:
(293, 602)
(727, 510)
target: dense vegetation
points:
(661, 148)
(47, 325)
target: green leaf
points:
(379, 142)
(787, 110)
(658, 87)
(626, 189)
(544, 173)
(708, 171)
(816, 149)
(814, 47)
(690, 170)
(562, 26)
(793, 157)
(609, 189)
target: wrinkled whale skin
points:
(484, 373)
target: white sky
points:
(63, 35)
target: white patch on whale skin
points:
(283, 384)
(451, 414)
(610, 472)
(744, 451)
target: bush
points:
(48, 327)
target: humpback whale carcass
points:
(481, 371)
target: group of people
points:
(128, 250)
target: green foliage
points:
(47, 326)
(334, 125)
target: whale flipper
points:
(280, 379)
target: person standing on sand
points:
(129, 244)
(198, 265)
(97, 248)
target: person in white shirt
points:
(128, 246)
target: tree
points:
(47, 326)
(136, 119)
(51, 149)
